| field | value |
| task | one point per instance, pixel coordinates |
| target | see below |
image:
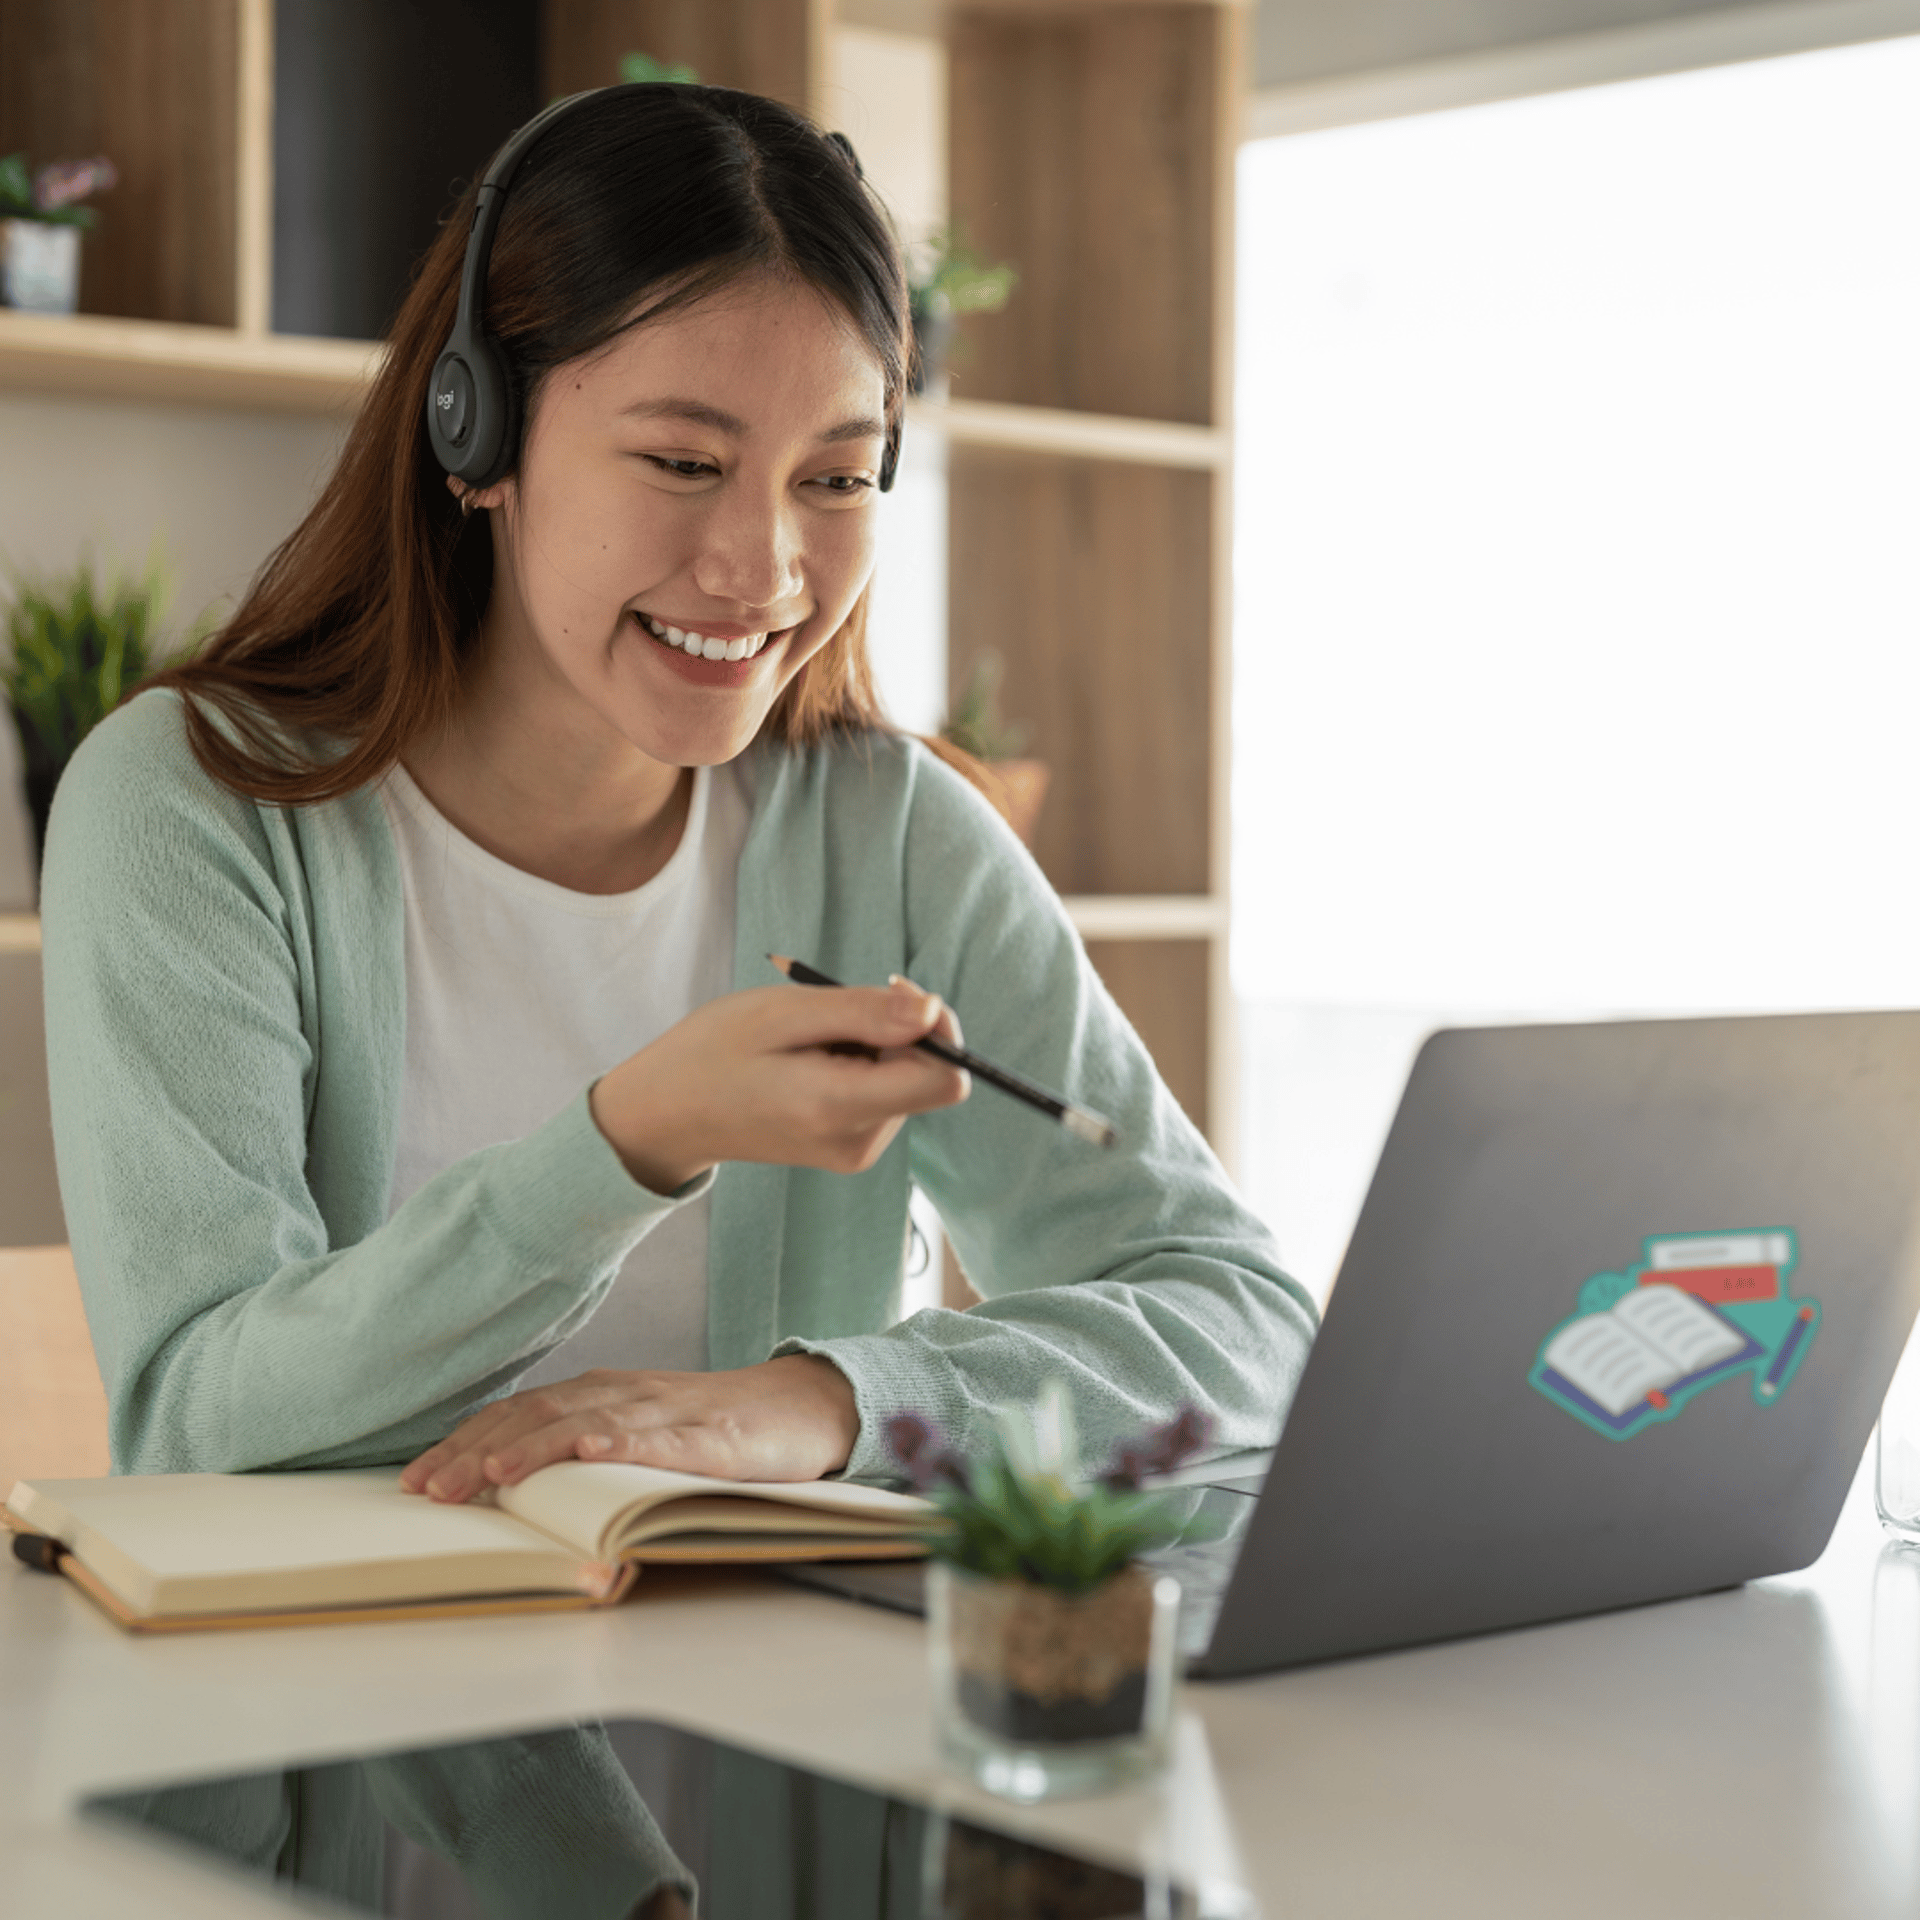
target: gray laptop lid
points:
(1614, 1326)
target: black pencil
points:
(1078, 1120)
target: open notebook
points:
(171, 1552)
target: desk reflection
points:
(631, 1821)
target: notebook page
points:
(588, 1503)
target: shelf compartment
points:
(1094, 582)
(158, 89)
(1088, 148)
(195, 366)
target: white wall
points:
(1578, 642)
(80, 476)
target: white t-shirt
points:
(520, 993)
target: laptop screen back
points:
(1614, 1326)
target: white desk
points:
(1748, 1753)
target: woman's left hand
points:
(788, 1419)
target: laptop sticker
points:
(1699, 1310)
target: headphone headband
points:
(472, 407)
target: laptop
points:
(1614, 1327)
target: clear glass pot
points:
(1897, 1448)
(1038, 1693)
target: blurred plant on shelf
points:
(945, 279)
(1016, 785)
(639, 68)
(977, 726)
(76, 646)
(41, 220)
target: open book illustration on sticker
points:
(1699, 1309)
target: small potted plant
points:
(1018, 784)
(41, 220)
(1051, 1646)
(75, 648)
(643, 68)
(944, 280)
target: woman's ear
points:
(472, 499)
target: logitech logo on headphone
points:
(444, 400)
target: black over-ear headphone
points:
(472, 409)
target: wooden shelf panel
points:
(194, 366)
(1149, 916)
(1090, 436)
(1097, 916)
(273, 372)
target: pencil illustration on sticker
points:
(1077, 1120)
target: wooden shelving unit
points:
(1089, 453)
(1092, 143)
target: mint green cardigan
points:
(226, 1005)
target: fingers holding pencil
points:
(782, 1078)
(1080, 1121)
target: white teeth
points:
(702, 646)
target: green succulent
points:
(1014, 1515)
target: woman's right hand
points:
(747, 1077)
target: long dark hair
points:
(352, 639)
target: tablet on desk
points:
(587, 1818)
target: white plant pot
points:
(39, 266)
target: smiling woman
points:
(422, 1092)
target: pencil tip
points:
(1090, 1126)
(781, 961)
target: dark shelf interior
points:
(383, 111)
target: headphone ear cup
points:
(471, 416)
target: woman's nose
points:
(751, 553)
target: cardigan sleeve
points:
(182, 1045)
(1133, 1274)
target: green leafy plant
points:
(54, 193)
(977, 725)
(76, 645)
(1015, 1515)
(638, 68)
(945, 277)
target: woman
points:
(422, 1092)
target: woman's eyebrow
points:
(695, 410)
(701, 414)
